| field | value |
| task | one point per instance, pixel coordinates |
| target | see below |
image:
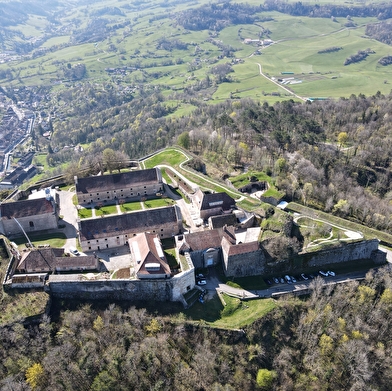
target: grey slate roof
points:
(25, 208)
(222, 220)
(215, 200)
(140, 221)
(118, 181)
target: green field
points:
(137, 44)
(158, 203)
(170, 156)
(234, 315)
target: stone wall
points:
(242, 265)
(156, 290)
(110, 196)
(346, 252)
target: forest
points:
(338, 338)
(331, 155)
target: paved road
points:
(213, 285)
(69, 213)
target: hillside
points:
(338, 338)
(207, 51)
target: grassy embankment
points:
(368, 233)
(236, 314)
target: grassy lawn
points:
(55, 239)
(75, 199)
(159, 202)
(172, 157)
(248, 283)
(85, 213)
(243, 179)
(130, 207)
(165, 176)
(236, 314)
(106, 210)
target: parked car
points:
(331, 273)
(276, 281)
(288, 279)
(201, 282)
(268, 282)
(74, 251)
(293, 279)
(281, 280)
(200, 276)
(323, 273)
(304, 276)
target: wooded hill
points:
(337, 339)
(332, 155)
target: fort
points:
(230, 242)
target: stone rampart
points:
(157, 290)
(346, 252)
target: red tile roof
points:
(148, 247)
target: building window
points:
(97, 241)
(88, 242)
(89, 248)
(31, 224)
(106, 239)
(97, 193)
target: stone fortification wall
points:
(242, 265)
(358, 251)
(346, 252)
(156, 290)
(181, 283)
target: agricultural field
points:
(145, 43)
